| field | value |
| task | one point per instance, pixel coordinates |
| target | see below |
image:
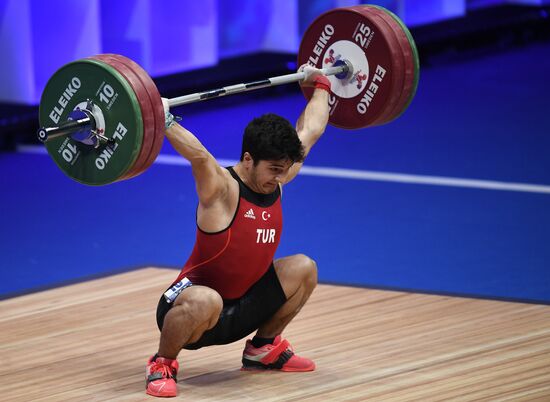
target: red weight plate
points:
(156, 102)
(158, 112)
(410, 66)
(415, 59)
(350, 34)
(146, 111)
(398, 57)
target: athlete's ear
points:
(248, 162)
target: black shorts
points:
(239, 317)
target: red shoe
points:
(160, 375)
(276, 356)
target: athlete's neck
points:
(245, 176)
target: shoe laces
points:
(163, 369)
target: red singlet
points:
(232, 260)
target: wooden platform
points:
(90, 341)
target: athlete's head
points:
(270, 147)
(272, 138)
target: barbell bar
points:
(45, 134)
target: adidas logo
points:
(249, 214)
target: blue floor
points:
(479, 119)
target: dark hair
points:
(271, 137)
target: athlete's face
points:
(267, 175)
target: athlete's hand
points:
(169, 118)
(314, 78)
(311, 73)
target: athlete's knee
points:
(200, 303)
(308, 269)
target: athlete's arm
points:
(210, 178)
(313, 120)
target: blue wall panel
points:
(38, 37)
(256, 26)
(62, 31)
(17, 77)
(163, 37)
(419, 12)
(183, 36)
(125, 28)
(473, 4)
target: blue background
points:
(483, 117)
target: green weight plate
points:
(117, 112)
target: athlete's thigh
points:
(241, 317)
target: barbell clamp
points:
(46, 134)
(101, 139)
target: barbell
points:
(102, 117)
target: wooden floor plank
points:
(90, 341)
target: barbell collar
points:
(49, 133)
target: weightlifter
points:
(231, 286)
